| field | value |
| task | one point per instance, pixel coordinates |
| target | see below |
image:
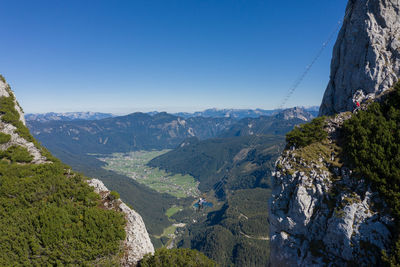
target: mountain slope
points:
(277, 124)
(149, 203)
(211, 160)
(137, 131)
(238, 167)
(48, 213)
(233, 232)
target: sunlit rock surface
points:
(366, 56)
(137, 242)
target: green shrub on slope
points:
(372, 145)
(17, 154)
(113, 195)
(10, 115)
(48, 215)
(50, 218)
(4, 138)
(307, 134)
(176, 257)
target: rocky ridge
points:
(137, 242)
(366, 56)
(10, 129)
(295, 113)
(67, 116)
(320, 214)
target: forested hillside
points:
(237, 170)
(137, 131)
(213, 160)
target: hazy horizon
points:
(171, 112)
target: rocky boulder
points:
(137, 242)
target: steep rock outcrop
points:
(366, 56)
(137, 242)
(9, 128)
(321, 215)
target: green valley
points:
(133, 165)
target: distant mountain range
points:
(208, 113)
(241, 113)
(227, 113)
(67, 116)
(278, 124)
(138, 131)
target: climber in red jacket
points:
(357, 106)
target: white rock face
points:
(137, 242)
(366, 55)
(3, 89)
(293, 113)
(18, 140)
(10, 129)
(321, 216)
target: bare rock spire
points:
(366, 56)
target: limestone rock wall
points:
(137, 242)
(366, 56)
(320, 215)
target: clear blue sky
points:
(173, 55)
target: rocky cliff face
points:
(320, 214)
(366, 56)
(137, 242)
